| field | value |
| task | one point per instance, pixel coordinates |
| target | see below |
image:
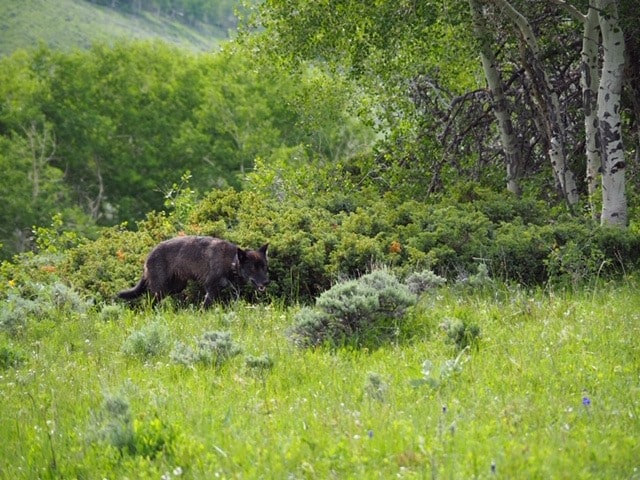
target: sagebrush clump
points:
(461, 333)
(150, 341)
(420, 282)
(211, 349)
(360, 311)
(115, 425)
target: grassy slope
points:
(517, 403)
(67, 24)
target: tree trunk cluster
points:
(602, 63)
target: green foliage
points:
(33, 191)
(101, 131)
(211, 349)
(438, 378)
(363, 311)
(420, 282)
(312, 246)
(115, 425)
(55, 239)
(582, 251)
(11, 356)
(33, 302)
(259, 365)
(150, 341)
(16, 313)
(109, 313)
(461, 333)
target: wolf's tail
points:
(135, 292)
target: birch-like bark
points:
(548, 103)
(614, 200)
(589, 80)
(508, 138)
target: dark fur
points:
(210, 262)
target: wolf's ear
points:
(263, 249)
(241, 255)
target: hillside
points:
(68, 24)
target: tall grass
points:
(549, 389)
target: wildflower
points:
(370, 433)
(586, 401)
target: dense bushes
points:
(312, 247)
(363, 311)
(313, 244)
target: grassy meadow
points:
(69, 24)
(550, 389)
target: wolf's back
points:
(192, 257)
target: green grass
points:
(68, 24)
(518, 403)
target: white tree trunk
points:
(589, 80)
(614, 199)
(501, 111)
(549, 105)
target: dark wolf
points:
(210, 262)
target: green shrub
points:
(461, 333)
(259, 365)
(116, 426)
(362, 311)
(114, 260)
(113, 425)
(423, 281)
(519, 251)
(452, 237)
(62, 297)
(583, 250)
(571, 264)
(16, 312)
(620, 247)
(150, 341)
(312, 328)
(10, 355)
(212, 349)
(112, 312)
(35, 301)
(316, 240)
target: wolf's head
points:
(252, 266)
